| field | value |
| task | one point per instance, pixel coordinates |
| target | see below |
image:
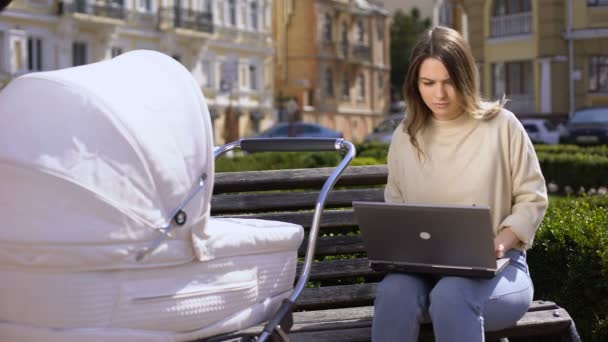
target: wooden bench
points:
(338, 304)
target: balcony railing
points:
(521, 103)
(108, 8)
(361, 53)
(190, 19)
(512, 24)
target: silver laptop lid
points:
(427, 234)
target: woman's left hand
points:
(504, 241)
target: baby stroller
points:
(107, 173)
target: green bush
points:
(569, 262)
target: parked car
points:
(300, 130)
(541, 131)
(384, 131)
(587, 126)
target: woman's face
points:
(438, 91)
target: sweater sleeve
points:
(529, 192)
(392, 192)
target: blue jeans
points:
(461, 309)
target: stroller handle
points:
(289, 144)
(298, 145)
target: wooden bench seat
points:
(338, 304)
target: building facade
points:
(226, 44)
(546, 56)
(333, 58)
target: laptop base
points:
(388, 267)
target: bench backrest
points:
(340, 276)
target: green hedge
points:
(569, 262)
(601, 150)
(574, 169)
(367, 154)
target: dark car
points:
(300, 130)
(383, 133)
(587, 126)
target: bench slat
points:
(238, 203)
(341, 296)
(329, 219)
(332, 297)
(340, 269)
(354, 324)
(332, 245)
(296, 179)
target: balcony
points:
(511, 25)
(361, 53)
(189, 19)
(106, 9)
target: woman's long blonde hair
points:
(448, 46)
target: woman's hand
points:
(504, 241)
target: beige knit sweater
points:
(468, 161)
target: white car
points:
(541, 131)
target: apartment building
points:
(333, 59)
(546, 56)
(226, 44)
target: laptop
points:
(443, 240)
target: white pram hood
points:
(94, 159)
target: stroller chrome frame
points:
(277, 328)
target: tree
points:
(405, 30)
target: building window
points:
(116, 51)
(207, 74)
(253, 79)
(232, 12)
(506, 7)
(361, 86)
(380, 29)
(145, 5)
(79, 53)
(446, 14)
(34, 54)
(208, 6)
(515, 80)
(344, 39)
(598, 74)
(380, 81)
(511, 17)
(3, 67)
(327, 28)
(360, 32)
(329, 82)
(254, 15)
(597, 2)
(345, 87)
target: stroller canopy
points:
(94, 160)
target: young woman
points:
(455, 149)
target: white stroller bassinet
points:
(106, 175)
